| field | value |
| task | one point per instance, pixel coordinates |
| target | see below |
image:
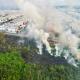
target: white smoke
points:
(47, 22)
(40, 37)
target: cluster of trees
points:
(8, 44)
(5, 44)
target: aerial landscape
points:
(39, 40)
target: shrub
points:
(13, 67)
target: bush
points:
(13, 67)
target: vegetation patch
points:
(13, 67)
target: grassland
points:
(14, 67)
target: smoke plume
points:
(47, 22)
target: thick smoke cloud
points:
(47, 22)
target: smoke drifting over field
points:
(47, 22)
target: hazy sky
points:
(10, 4)
(7, 4)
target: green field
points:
(13, 66)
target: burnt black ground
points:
(33, 57)
(45, 58)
